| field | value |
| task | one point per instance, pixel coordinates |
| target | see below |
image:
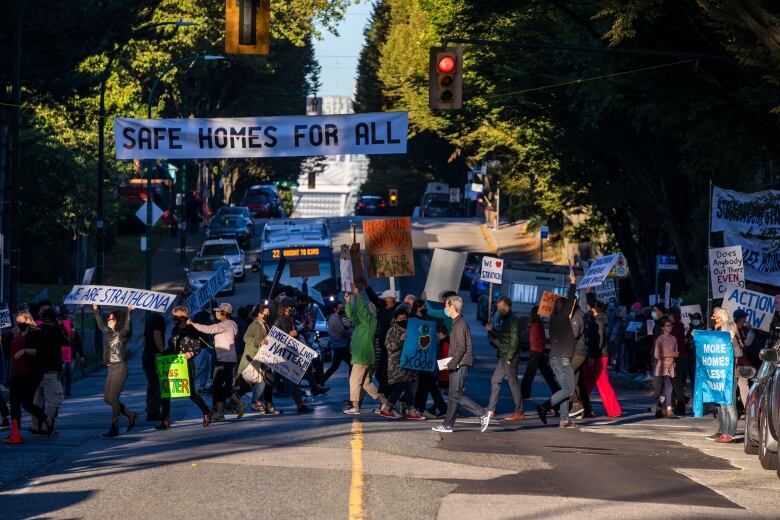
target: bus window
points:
(318, 271)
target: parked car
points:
(202, 268)
(370, 205)
(229, 227)
(263, 202)
(753, 406)
(228, 248)
(769, 414)
(437, 208)
(238, 211)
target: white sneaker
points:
(442, 428)
(485, 422)
(351, 411)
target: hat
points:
(387, 294)
(287, 302)
(636, 307)
(739, 314)
(224, 307)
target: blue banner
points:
(420, 346)
(714, 369)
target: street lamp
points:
(100, 242)
(191, 59)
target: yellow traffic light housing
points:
(247, 26)
(393, 197)
(445, 78)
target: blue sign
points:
(714, 369)
(545, 232)
(420, 347)
(666, 263)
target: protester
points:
(224, 332)
(505, 337)
(117, 331)
(617, 345)
(633, 338)
(428, 382)
(76, 352)
(385, 306)
(401, 380)
(253, 337)
(681, 364)
(25, 377)
(339, 331)
(184, 340)
(204, 362)
(537, 359)
(666, 352)
(697, 323)
(50, 395)
(727, 413)
(443, 336)
(596, 373)
(286, 323)
(747, 337)
(154, 344)
(409, 300)
(363, 315)
(561, 353)
(580, 325)
(462, 358)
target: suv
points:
(202, 268)
(262, 202)
(229, 249)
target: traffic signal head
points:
(393, 197)
(445, 80)
(247, 24)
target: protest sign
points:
(345, 267)
(650, 325)
(761, 258)
(755, 213)
(358, 274)
(714, 369)
(174, 376)
(420, 346)
(492, 270)
(726, 269)
(606, 291)
(119, 297)
(389, 247)
(285, 355)
(634, 326)
(275, 136)
(202, 296)
(5, 318)
(598, 271)
(444, 273)
(547, 303)
(686, 311)
(621, 266)
(759, 307)
(442, 363)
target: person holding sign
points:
(727, 413)
(505, 337)
(666, 351)
(401, 380)
(117, 331)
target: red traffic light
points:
(446, 64)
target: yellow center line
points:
(356, 486)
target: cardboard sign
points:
(686, 311)
(389, 247)
(492, 270)
(174, 376)
(420, 346)
(119, 297)
(759, 307)
(547, 303)
(598, 271)
(5, 318)
(358, 273)
(606, 291)
(444, 273)
(726, 269)
(285, 355)
(202, 296)
(714, 369)
(345, 266)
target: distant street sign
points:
(454, 195)
(156, 213)
(545, 232)
(666, 262)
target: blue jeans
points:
(727, 415)
(203, 369)
(564, 374)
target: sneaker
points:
(568, 425)
(517, 416)
(272, 410)
(484, 422)
(319, 390)
(259, 408)
(442, 428)
(576, 411)
(388, 414)
(351, 411)
(429, 415)
(714, 436)
(218, 417)
(303, 409)
(412, 415)
(240, 410)
(542, 413)
(725, 439)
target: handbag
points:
(254, 372)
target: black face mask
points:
(178, 320)
(401, 324)
(23, 327)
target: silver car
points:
(203, 268)
(228, 248)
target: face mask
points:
(656, 315)
(695, 323)
(401, 324)
(178, 320)
(23, 327)
(447, 312)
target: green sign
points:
(174, 376)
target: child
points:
(665, 352)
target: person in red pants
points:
(596, 370)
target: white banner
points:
(759, 307)
(492, 270)
(202, 296)
(606, 291)
(756, 213)
(278, 136)
(285, 355)
(761, 258)
(5, 318)
(726, 269)
(598, 271)
(119, 297)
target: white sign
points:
(444, 273)
(761, 258)
(278, 136)
(476, 188)
(156, 213)
(598, 271)
(726, 269)
(442, 363)
(606, 291)
(759, 307)
(454, 195)
(88, 275)
(686, 311)
(119, 297)
(5, 318)
(202, 296)
(347, 278)
(492, 270)
(285, 355)
(755, 213)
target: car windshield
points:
(207, 265)
(438, 204)
(371, 201)
(228, 222)
(225, 211)
(220, 250)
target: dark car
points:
(769, 413)
(262, 202)
(753, 406)
(229, 227)
(437, 208)
(370, 205)
(238, 211)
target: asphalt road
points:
(328, 465)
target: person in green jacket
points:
(363, 316)
(505, 337)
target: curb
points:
(488, 236)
